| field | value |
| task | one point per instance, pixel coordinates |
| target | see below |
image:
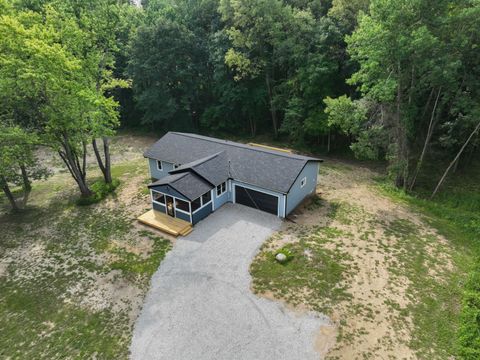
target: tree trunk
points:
(402, 158)
(454, 160)
(253, 125)
(431, 127)
(273, 111)
(27, 185)
(105, 167)
(8, 194)
(108, 167)
(77, 171)
(328, 141)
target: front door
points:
(170, 209)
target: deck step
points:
(186, 231)
(165, 223)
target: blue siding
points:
(222, 199)
(281, 197)
(158, 174)
(182, 216)
(286, 203)
(202, 213)
(158, 207)
(297, 193)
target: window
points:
(303, 182)
(182, 205)
(159, 165)
(221, 188)
(195, 204)
(158, 197)
(206, 197)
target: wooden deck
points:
(168, 224)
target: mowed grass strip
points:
(314, 274)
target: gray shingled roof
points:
(213, 168)
(268, 169)
(188, 184)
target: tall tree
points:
(44, 85)
(411, 75)
(18, 164)
(266, 36)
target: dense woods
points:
(394, 81)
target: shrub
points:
(100, 191)
(469, 332)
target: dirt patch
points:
(107, 291)
(74, 271)
(123, 148)
(3, 269)
(378, 238)
(325, 339)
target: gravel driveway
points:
(200, 305)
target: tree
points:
(411, 71)
(163, 71)
(266, 36)
(18, 164)
(169, 65)
(44, 85)
(101, 23)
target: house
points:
(195, 175)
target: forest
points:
(394, 82)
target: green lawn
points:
(455, 213)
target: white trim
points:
(223, 192)
(158, 192)
(211, 195)
(284, 206)
(256, 189)
(201, 207)
(149, 168)
(161, 165)
(303, 182)
(177, 209)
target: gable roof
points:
(188, 184)
(212, 158)
(213, 168)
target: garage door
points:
(256, 199)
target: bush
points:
(100, 191)
(469, 332)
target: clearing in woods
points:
(389, 282)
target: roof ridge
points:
(239, 145)
(180, 176)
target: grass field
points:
(388, 268)
(73, 278)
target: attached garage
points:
(187, 167)
(256, 199)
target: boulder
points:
(281, 257)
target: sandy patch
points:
(107, 291)
(325, 339)
(370, 324)
(3, 269)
